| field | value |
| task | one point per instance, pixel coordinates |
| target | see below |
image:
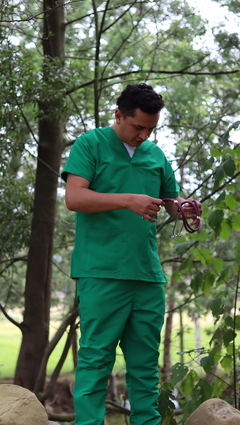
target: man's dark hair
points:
(139, 96)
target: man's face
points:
(135, 130)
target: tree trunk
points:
(75, 349)
(198, 333)
(35, 326)
(181, 332)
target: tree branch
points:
(80, 114)
(153, 71)
(14, 260)
(52, 344)
(189, 299)
(43, 396)
(184, 162)
(31, 17)
(70, 417)
(14, 322)
(120, 47)
(100, 11)
(61, 418)
(220, 187)
(119, 17)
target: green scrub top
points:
(118, 244)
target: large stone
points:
(19, 406)
(53, 423)
(214, 412)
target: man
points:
(116, 180)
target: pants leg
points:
(110, 311)
(140, 344)
(104, 306)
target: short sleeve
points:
(169, 187)
(80, 160)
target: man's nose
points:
(144, 134)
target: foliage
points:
(212, 257)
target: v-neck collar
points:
(123, 148)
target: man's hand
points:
(190, 211)
(144, 205)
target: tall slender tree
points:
(35, 325)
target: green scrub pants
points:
(110, 311)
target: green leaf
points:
(215, 152)
(227, 363)
(219, 175)
(229, 167)
(223, 275)
(216, 353)
(237, 151)
(225, 230)
(183, 247)
(228, 336)
(237, 319)
(188, 383)
(218, 387)
(202, 391)
(207, 363)
(205, 211)
(230, 348)
(217, 265)
(216, 335)
(229, 322)
(164, 401)
(186, 264)
(203, 255)
(206, 389)
(236, 222)
(224, 137)
(236, 124)
(177, 276)
(215, 219)
(168, 386)
(208, 282)
(216, 307)
(220, 198)
(177, 373)
(196, 282)
(231, 202)
(208, 164)
(201, 237)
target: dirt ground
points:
(61, 400)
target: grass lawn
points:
(10, 339)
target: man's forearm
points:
(172, 208)
(87, 201)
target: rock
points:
(52, 423)
(19, 406)
(214, 412)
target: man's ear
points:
(118, 116)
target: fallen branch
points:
(111, 405)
